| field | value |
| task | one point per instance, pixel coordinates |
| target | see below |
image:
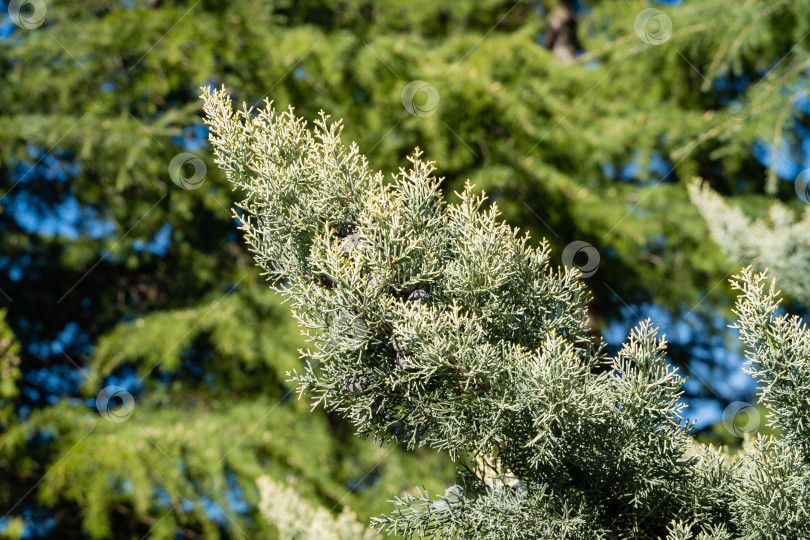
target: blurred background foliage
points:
(113, 275)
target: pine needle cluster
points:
(779, 242)
(435, 324)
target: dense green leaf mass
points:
(143, 276)
(566, 442)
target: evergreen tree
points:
(116, 271)
(437, 325)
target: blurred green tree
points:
(779, 241)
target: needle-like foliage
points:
(297, 519)
(435, 324)
(780, 242)
(773, 492)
